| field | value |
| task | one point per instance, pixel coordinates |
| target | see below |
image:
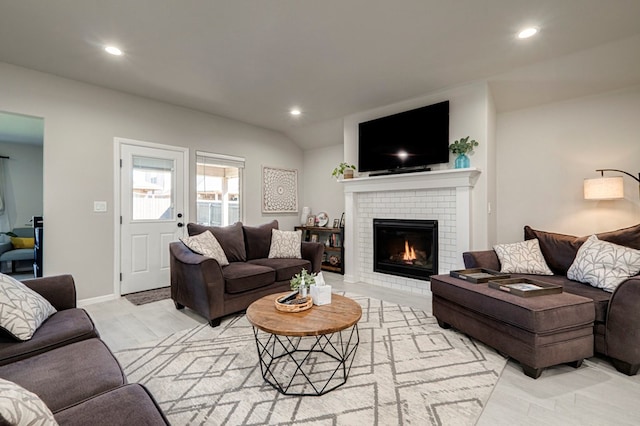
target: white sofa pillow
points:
(207, 245)
(18, 406)
(285, 244)
(524, 257)
(22, 310)
(603, 264)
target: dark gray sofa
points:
(201, 284)
(617, 315)
(67, 365)
(67, 326)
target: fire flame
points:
(409, 252)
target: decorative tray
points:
(525, 287)
(478, 275)
(297, 307)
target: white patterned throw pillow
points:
(207, 245)
(285, 244)
(522, 258)
(22, 310)
(603, 264)
(18, 406)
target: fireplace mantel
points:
(461, 181)
(451, 178)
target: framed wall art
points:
(279, 190)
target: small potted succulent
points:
(463, 147)
(344, 169)
(298, 279)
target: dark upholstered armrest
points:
(59, 290)
(623, 322)
(184, 254)
(481, 259)
(196, 281)
(313, 253)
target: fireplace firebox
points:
(407, 248)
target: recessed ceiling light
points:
(113, 50)
(528, 32)
(295, 112)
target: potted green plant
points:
(305, 276)
(343, 169)
(462, 147)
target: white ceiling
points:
(253, 60)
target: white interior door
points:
(152, 214)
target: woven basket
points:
(293, 308)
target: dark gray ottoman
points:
(538, 331)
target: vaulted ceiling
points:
(254, 60)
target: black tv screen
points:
(407, 140)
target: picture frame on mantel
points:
(342, 220)
(279, 190)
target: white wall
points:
(470, 114)
(23, 183)
(544, 153)
(321, 191)
(81, 122)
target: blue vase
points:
(462, 161)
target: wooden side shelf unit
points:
(332, 239)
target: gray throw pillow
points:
(18, 406)
(285, 244)
(603, 264)
(22, 310)
(522, 258)
(206, 245)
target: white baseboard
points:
(99, 299)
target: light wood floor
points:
(594, 394)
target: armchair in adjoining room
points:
(20, 248)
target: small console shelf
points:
(333, 241)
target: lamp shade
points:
(604, 188)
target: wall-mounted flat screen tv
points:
(405, 141)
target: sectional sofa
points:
(617, 313)
(68, 367)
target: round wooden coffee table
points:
(309, 352)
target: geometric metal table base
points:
(309, 365)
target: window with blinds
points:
(218, 189)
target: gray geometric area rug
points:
(149, 296)
(406, 371)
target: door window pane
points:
(218, 186)
(152, 188)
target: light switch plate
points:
(99, 206)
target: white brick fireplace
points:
(443, 195)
